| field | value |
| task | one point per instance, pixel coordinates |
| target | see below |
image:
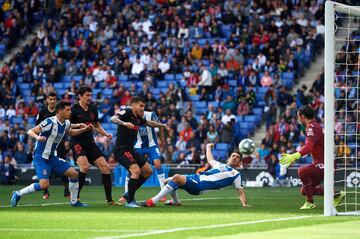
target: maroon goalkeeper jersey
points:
(314, 143)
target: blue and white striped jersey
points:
(220, 176)
(146, 136)
(54, 131)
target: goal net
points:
(342, 116)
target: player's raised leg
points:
(173, 183)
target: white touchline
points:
(157, 232)
(69, 230)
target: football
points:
(246, 146)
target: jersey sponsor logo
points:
(310, 132)
(44, 172)
(143, 131)
(129, 156)
(77, 148)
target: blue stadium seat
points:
(258, 111)
(58, 85)
(222, 146)
(179, 77)
(194, 97)
(288, 75)
(232, 83)
(214, 103)
(169, 77)
(66, 78)
(77, 78)
(123, 77)
(162, 84)
(199, 104)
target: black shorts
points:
(129, 157)
(90, 150)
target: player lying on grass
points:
(220, 176)
(311, 175)
(48, 135)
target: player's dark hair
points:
(82, 90)
(307, 111)
(51, 94)
(137, 99)
(61, 105)
(237, 152)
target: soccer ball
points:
(246, 146)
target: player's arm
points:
(242, 197)
(118, 119)
(98, 128)
(209, 156)
(35, 133)
(288, 159)
(78, 126)
(155, 124)
(75, 132)
(240, 190)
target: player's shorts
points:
(192, 185)
(153, 153)
(90, 150)
(129, 157)
(313, 171)
(45, 167)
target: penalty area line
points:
(158, 232)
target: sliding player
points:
(220, 176)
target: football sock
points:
(29, 189)
(81, 178)
(175, 197)
(73, 188)
(319, 190)
(141, 181)
(160, 176)
(132, 188)
(171, 186)
(106, 181)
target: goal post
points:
(346, 78)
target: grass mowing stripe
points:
(65, 203)
(158, 232)
(69, 230)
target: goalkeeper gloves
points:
(288, 159)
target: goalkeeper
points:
(311, 175)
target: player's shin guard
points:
(171, 186)
(73, 188)
(81, 178)
(160, 176)
(132, 188)
(29, 189)
(106, 180)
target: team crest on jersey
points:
(44, 172)
(310, 132)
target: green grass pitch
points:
(274, 214)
